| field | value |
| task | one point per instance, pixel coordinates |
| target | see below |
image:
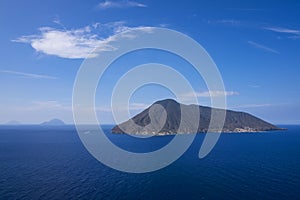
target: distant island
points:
(13, 123)
(53, 122)
(235, 122)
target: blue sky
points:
(255, 44)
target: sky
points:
(255, 45)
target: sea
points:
(39, 162)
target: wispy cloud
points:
(120, 4)
(53, 105)
(254, 86)
(232, 22)
(209, 94)
(260, 46)
(282, 30)
(246, 9)
(294, 37)
(257, 105)
(292, 33)
(216, 93)
(138, 106)
(122, 108)
(49, 105)
(28, 75)
(225, 22)
(86, 42)
(251, 106)
(45, 106)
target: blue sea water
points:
(51, 163)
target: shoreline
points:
(202, 132)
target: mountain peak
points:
(13, 122)
(167, 103)
(53, 122)
(164, 101)
(234, 121)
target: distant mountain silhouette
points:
(13, 122)
(53, 122)
(169, 111)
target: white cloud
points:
(47, 106)
(120, 4)
(260, 46)
(282, 30)
(295, 37)
(209, 94)
(294, 33)
(232, 22)
(122, 107)
(40, 106)
(28, 75)
(79, 43)
(225, 22)
(254, 86)
(138, 106)
(251, 106)
(257, 105)
(246, 9)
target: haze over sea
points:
(51, 163)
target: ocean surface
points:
(51, 163)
